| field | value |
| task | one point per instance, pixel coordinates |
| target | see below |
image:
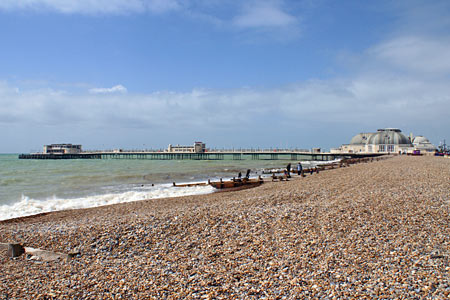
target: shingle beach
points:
(370, 230)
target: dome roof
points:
(422, 143)
(420, 140)
(390, 136)
(360, 139)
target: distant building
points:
(388, 140)
(198, 147)
(62, 149)
(423, 144)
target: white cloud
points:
(363, 99)
(325, 109)
(265, 14)
(93, 6)
(254, 16)
(250, 14)
(401, 82)
(415, 53)
(389, 89)
(115, 89)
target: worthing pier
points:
(196, 152)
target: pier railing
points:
(215, 150)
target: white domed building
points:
(387, 140)
(423, 144)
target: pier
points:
(288, 155)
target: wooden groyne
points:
(15, 250)
(246, 182)
(235, 183)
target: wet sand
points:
(371, 230)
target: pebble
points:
(371, 230)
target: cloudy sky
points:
(251, 73)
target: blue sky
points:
(267, 73)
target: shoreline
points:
(136, 191)
(264, 175)
(369, 230)
(224, 190)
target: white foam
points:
(318, 163)
(28, 206)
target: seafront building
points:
(387, 140)
(423, 144)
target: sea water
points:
(30, 187)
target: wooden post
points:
(15, 250)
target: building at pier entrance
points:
(387, 140)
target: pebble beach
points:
(378, 230)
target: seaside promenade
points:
(367, 231)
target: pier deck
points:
(222, 155)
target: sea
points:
(29, 187)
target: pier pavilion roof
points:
(361, 138)
(392, 136)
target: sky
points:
(136, 74)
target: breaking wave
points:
(28, 206)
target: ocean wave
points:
(28, 206)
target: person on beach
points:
(288, 170)
(299, 168)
